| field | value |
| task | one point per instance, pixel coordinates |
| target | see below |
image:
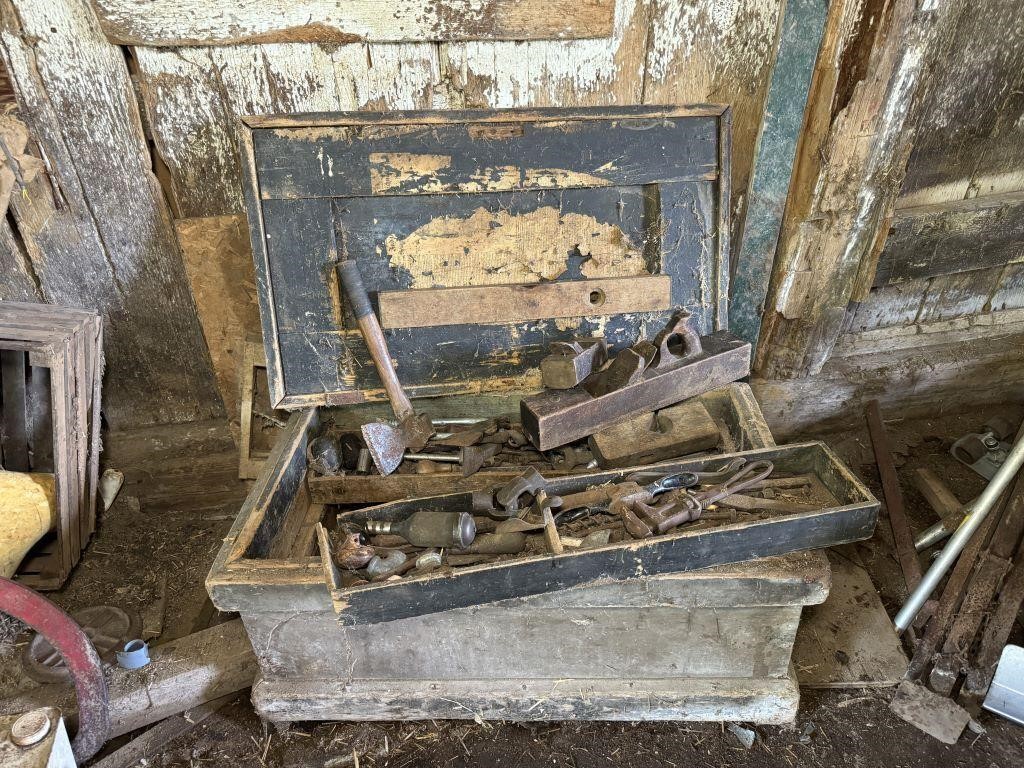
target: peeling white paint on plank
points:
(194, 97)
(556, 73)
(107, 242)
(225, 22)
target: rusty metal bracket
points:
(512, 499)
(679, 364)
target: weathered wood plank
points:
(100, 235)
(1009, 292)
(800, 35)
(834, 232)
(848, 641)
(194, 97)
(539, 73)
(916, 374)
(184, 673)
(19, 283)
(700, 52)
(689, 642)
(518, 302)
(958, 236)
(14, 428)
(466, 155)
(967, 136)
(758, 701)
(228, 22)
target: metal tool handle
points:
(673, 481)
(746, 477)
(369, 326)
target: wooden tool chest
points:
(483, 237)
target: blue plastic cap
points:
(134, 655)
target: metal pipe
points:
(945, 527)
(971, 522)
(449, 458)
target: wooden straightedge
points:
(489, 304)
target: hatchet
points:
(387, 443)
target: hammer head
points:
(475, 456)
(387, 444)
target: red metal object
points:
(81, 658)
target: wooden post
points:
(903, 537)
(852, 159)
(800, 37)
(96, 229)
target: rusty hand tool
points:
(513, 438)
(512, 499)
(387, 443)
(472, 457)
(573, 457)
(625, 499)
(646, 377)
(570, 362)
(689, 504)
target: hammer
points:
(387, 443)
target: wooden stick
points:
(147, 744)
(996, 633)
(903, 537)
(937, 493)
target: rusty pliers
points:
(643, 520)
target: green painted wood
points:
(800, 33)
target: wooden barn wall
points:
(876, 291)
(956, 247)
(659, 51)
(93, 229)
(924, 309)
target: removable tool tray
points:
(852, 518)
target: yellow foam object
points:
(28, 509)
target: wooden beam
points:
(934, 374)
(952, 237)
(429, 307)
(902, 535)
(834, 229)
(95, 226)
(800, 36)
(936, 493)
(184, 674)
(229, 22)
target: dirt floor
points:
(175, 529)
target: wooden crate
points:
(720, 639)
(51, 364)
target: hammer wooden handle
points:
(359, 303)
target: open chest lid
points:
(481, 236)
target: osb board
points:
(848, 641)
(477, 198)
(199, 22)
(218, 262)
